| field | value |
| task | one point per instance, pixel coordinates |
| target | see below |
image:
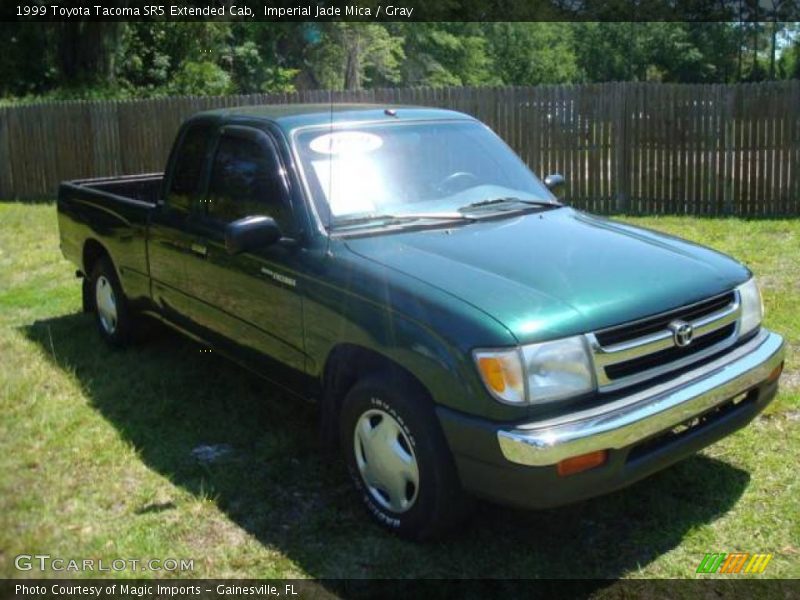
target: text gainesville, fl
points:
(264, 589)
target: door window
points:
(190, 159)
(246, 180)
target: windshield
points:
(411, 168)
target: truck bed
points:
(112, 213)
(144, 188)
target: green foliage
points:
(150, 58)
(668, 51)
(176, 58)
(534, 53)
(439, 54)
(203, 78)
(789, 62)
(26, 64)
(251, 73)
(353, 55)
(248, 67)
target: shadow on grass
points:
(35, 200)
(166, 398)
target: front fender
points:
(424, 330)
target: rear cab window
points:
(190, 158)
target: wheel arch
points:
(345, 365)
(92, 252)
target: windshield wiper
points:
(403, 218)
(508, 200)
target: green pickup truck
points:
(464, 333)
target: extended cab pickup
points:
(464, 332)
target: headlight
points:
(752, 306)
(537, 373)
(557, 370)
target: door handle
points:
(200, 250)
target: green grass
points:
(95, 454)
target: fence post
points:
(620, 144)
(729, 129)
(6, 181)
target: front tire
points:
(111, 310)
(398, 458)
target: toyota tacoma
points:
(463, 331)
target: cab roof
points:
(294, 116)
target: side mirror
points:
(250, 233)
(556, 184)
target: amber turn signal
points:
(493, 373)
(584, 462)
(776, 372)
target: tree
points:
(692, 52)
(788, 63)
(153, 54)
(713, 54)
(533, 53)
(268, 57)
(251, 72)
(23, 70)
(87, 51)
(662, 51)
(352, 55)
(82, 59)
(440, 54)
(609, 51)
(777, 11)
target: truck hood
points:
(556, 273)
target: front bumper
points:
(641, 415)
(517, 464)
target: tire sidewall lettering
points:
(378, 403)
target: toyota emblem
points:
(682, 333)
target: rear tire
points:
(87, 302)
(398, 458)
(111, 311)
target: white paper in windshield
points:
(346, 142)
(348, 175)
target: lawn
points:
(96, 454)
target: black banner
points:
(402, 10)
(306, 589)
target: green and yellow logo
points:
(734, 563)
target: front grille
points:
(649, 361)
(633, 352)
(630, 331)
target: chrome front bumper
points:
(633, 418)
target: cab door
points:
(171, 243)
(251, 300)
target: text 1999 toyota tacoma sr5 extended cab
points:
(463, 331)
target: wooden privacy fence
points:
(638, 148)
